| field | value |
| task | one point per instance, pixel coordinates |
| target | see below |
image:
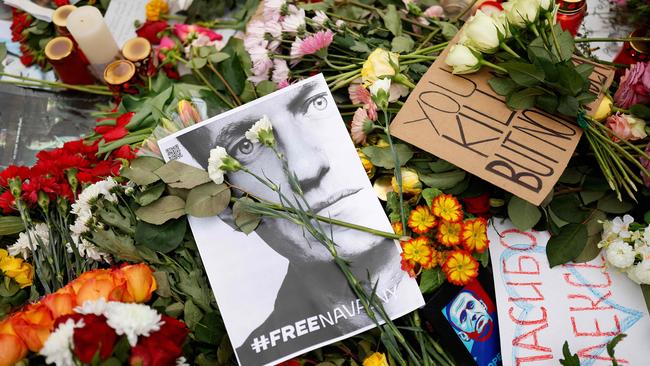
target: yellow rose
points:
(379, 63)
(376, 359)
(410, 182)
(367, 164)
(604, 109)
(21, 271)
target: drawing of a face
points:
(302, 121)
(470, 315)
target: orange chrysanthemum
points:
(460, 267)
(474, 235)
(417, 250)
(397, 228)
(447, 207)
(449, 233)
(421, 220)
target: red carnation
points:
(59, 3)
(161, 348)
(478, 206)
(39, 183)
(292, 362)
(150, 30)
(124, 152)
(7, 202)
(95, 335)
(116, 132)
(27, 58)
(13, 171)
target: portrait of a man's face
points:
(472, 316)
(469, 314)
(271, 284)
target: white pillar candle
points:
(88, 28)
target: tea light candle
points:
(60, 18)
(88, 28)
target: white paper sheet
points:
(121, 16)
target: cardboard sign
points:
(460, 119)
(586, 304)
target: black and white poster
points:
(278, 290)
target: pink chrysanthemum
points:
(316, 42)
(356, 127)
(361, 95)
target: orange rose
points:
(140, 283)
(85, 277)
(13, 349)
(60, 303)
(33, 325)
(103, 285)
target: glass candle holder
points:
(634, 51)
(121, 77)
(67, 62)
(571, 14)
(60, 19)
(138, 50)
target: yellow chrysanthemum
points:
(474, 235)
(460, 267)
(155, 8)
(449, 233)
(447, 207)
(421, 220)
(417, 250)
(376, 359)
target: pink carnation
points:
(316, 42)
(356, 127)
(183, 31)
(361, 95)
(626, 127)
(635, 86)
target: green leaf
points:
(524, 74)
(568, 208)
(402, 44)
(444, 180)
(266, 87)
(231, 70)
(568, 106)
(523, 214)
(10, 225)
(140, 171)
(547, 103)
(585, 70)
(641, 111)
(383, 156)
(567, 44)
(522, 99)
(207, 200)
(198, 62)
(192, 315)
(611, 204)
(502, 86)
(245, 221)
(121, 246)
(612, 344)
(162, 210)
(161, 238)
(594, 229)
(449, 30)
(429, 194)
(162, 284)
(210, 329)
(181, 175)
(392, 20)
(215, 58)
(150, 194)
(569, 359)
(441, 166)
(591, 196)
(571, 79)
(567, 245)
(431, 279)
(645, 289)
(360, 47)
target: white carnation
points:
(132, 320)
(82, 208)
(620, 254)
(59, 345)
(214, 164)
(28, 241)
(294, 22)
(379, 85)
(640, 273)
(264, 124)
(95, 307)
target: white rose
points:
(546, 5)
(481, 33)
(462, 60)
(620, 254)
(521, 12)
(501, 21)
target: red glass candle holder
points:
(634, 51)
(60, 19)
(67, 62)
(138, 50)
(571, 14)
(121, 77)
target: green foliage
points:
(392, 20)
(161, 238)
(567, 245)
(162, 210)
(207, 200)
(383, 156)
(523, 214)
(10, 225)
(569, 359)
(431, 279)
(246, 221)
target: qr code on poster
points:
(174, 152)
